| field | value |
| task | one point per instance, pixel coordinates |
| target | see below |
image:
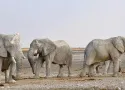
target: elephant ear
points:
(3, 51)
(118, 44)
(47, 47)
(15, 39)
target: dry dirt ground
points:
(65, 83)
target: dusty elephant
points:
(10, 56)
(99, 50)
(57, 52)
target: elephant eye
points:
(35, 54)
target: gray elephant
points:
(44, 50)
(99, 50)
(10, 56)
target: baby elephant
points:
(44, 50)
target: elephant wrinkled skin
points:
(44, 50)
(99, 50)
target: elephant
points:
(100, 50)
(45, 50)
(11, 56)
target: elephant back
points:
(63, 53)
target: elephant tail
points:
(70, 61)
(84, 62)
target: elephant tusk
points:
(13, 60)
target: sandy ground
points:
(65, 83)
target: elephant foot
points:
(105, 73)
(59, 75)
(82, 74)
(115, 75)
(69, 75)
(10, 81)
(100, 74)
(91, 75)
(36, 77)
(46, 77)
(18, 77)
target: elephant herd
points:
(58, 52)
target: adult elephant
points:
(57, 52)
(99, 50)
(10, 56)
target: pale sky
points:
(75, 21)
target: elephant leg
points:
(60, 71)
(37, 68)
(7, 73)
(115, 68)
(120, 70)
(96, 68)
(12, 70)
(1, 61)
(88, 61)
(69, 71)
(42, 63)
(48, 67)
(84, 71)
(91, 69)
(13, 65)
(49, 60)
(18, 69)
(107, 63)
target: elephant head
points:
(41, 47)
(119, 43)
(10, 47)
(14, 47)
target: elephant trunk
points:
(19, 58)
(31, 58)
